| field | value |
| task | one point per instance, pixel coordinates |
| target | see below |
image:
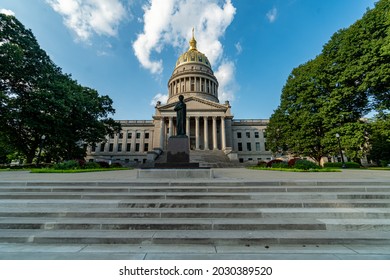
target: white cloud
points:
(7, 12)
(272, 14)
(163, 98)
(169, 23)
(227, 83)
(89, 17)
(238, 48)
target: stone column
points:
(142, 141)
(215, 143)
(206, 133)
(196, 133)
(162, 133)
(133, 135)
(188, 129)
(223, 135)
(170, 127)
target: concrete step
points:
(178, 237)
(193, 224)
(317, 213)
(195, 203)
(209, 212)
(210, 194)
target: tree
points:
(332, 92)
(37, 99)
(380, 139)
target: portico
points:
(204, 132)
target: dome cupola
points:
(193, 76)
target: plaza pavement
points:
(202, 252)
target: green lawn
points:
(47, 170)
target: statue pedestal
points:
(178, 154)
(178, 150)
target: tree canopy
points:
(37, 99)
(333, 92)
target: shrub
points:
(292, 161)
(116, 164)
(91, 165)
(282, 164)
(384, 163)
(103, 164)
(340, 164)
(305, 165)
(66, 165)
(261, 163)
(271, 162)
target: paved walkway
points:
(202, 252)
(221, 174)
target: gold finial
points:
(193, 41)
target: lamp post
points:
(341, 151)
(43, 137)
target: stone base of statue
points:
(178, 150)
(178, 165)
(178, 154)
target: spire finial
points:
(193, 41)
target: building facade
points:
(210, 125)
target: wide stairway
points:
(211, 158)
(229, 213)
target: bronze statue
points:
(181, 116)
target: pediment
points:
(196, 104)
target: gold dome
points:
(193, 55)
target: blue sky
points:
(127, 49)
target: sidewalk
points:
(221, 174)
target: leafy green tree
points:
(37, 99)
(332, 92)
(380, 139)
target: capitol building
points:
(211, 128)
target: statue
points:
(181, 116)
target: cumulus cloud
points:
(89, 17)
(169, 23)
(163, 98)
(227, 83)
(7, 12)
(272, 14)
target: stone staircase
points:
(214, 212)
(212, 159)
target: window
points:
(129, 135)
(241, 160)
(240, 146)
(248, 134)
(256, 134)
(120, 147)
(238, 134)
(93, 148)
(146, 147)
(128, 147)
(257, 146)
(248, 147)
(138, 135)
(265, 133)
(147, 135)
(137, 147)
(266, 146)
(120, 135)
(102, 146)
(111, 148)
(249, 159)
